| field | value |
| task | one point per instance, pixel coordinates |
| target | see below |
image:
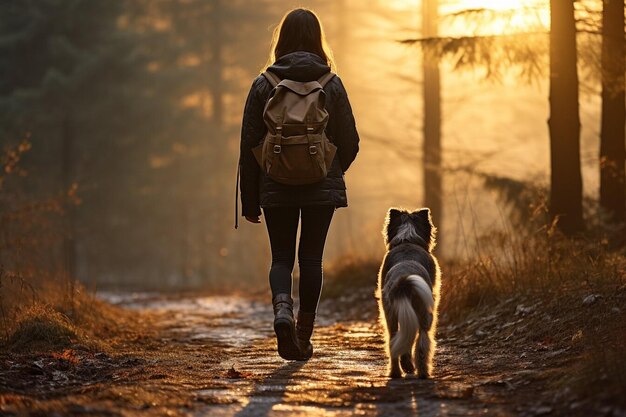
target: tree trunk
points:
(215, 67)
(612, 138)
(432, 116)
(210, 237)
(564, 122)
(67, 174)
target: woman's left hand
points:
(255, 219)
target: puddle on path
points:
(346, 376)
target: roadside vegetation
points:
(62, 350)
(42, 307)
(532, 293)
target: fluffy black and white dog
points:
(408, 291)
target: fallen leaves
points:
(577, 337)
(68, 355)
(233, 373)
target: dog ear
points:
(424, 215)
(392, 220)
(424, 223)
(394, 214)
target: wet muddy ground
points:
(215, 356)
(347, 375)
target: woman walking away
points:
(298, 139)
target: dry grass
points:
(52, 323)
(544, 264)
(42, 308)
(41, 328)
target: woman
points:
(299, 52)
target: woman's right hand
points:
(253, 219)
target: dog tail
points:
(400, 296)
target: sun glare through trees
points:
(135, 134)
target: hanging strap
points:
(237, 196)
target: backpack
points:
(295, 149)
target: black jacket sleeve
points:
(252, 131)
(344, 133)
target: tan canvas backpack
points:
(295, 149)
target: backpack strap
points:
(326, 78)
(272, 78)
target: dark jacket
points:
(257, 189)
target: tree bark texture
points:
(612, 138)
(564, 122)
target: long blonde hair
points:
(300, 29)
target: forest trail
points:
(346, 376)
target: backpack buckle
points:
(312, 149)
(277, 148)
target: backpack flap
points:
(302, 89)
(294, 110)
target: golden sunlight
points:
(403, 4)
(501, 17)
(148, 249)
(463, 4)
(483, 17)
(468, 4)
(490, 4)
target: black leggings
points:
(282, 227)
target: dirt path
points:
(216, 356)
(345, 377)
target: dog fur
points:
(408, 291)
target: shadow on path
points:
(346, 376)
(270, 391)
(410, 397)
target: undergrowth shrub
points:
(41, 327)
(527, 256)
(40, 304)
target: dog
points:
(409, 281)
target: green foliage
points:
(120, 101)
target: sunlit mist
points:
(179, 144)
(493, 17)
(475, 261)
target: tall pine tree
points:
(433, 192)
(564, 123)
(612, 132)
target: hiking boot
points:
(284, 326)
(304, 330)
